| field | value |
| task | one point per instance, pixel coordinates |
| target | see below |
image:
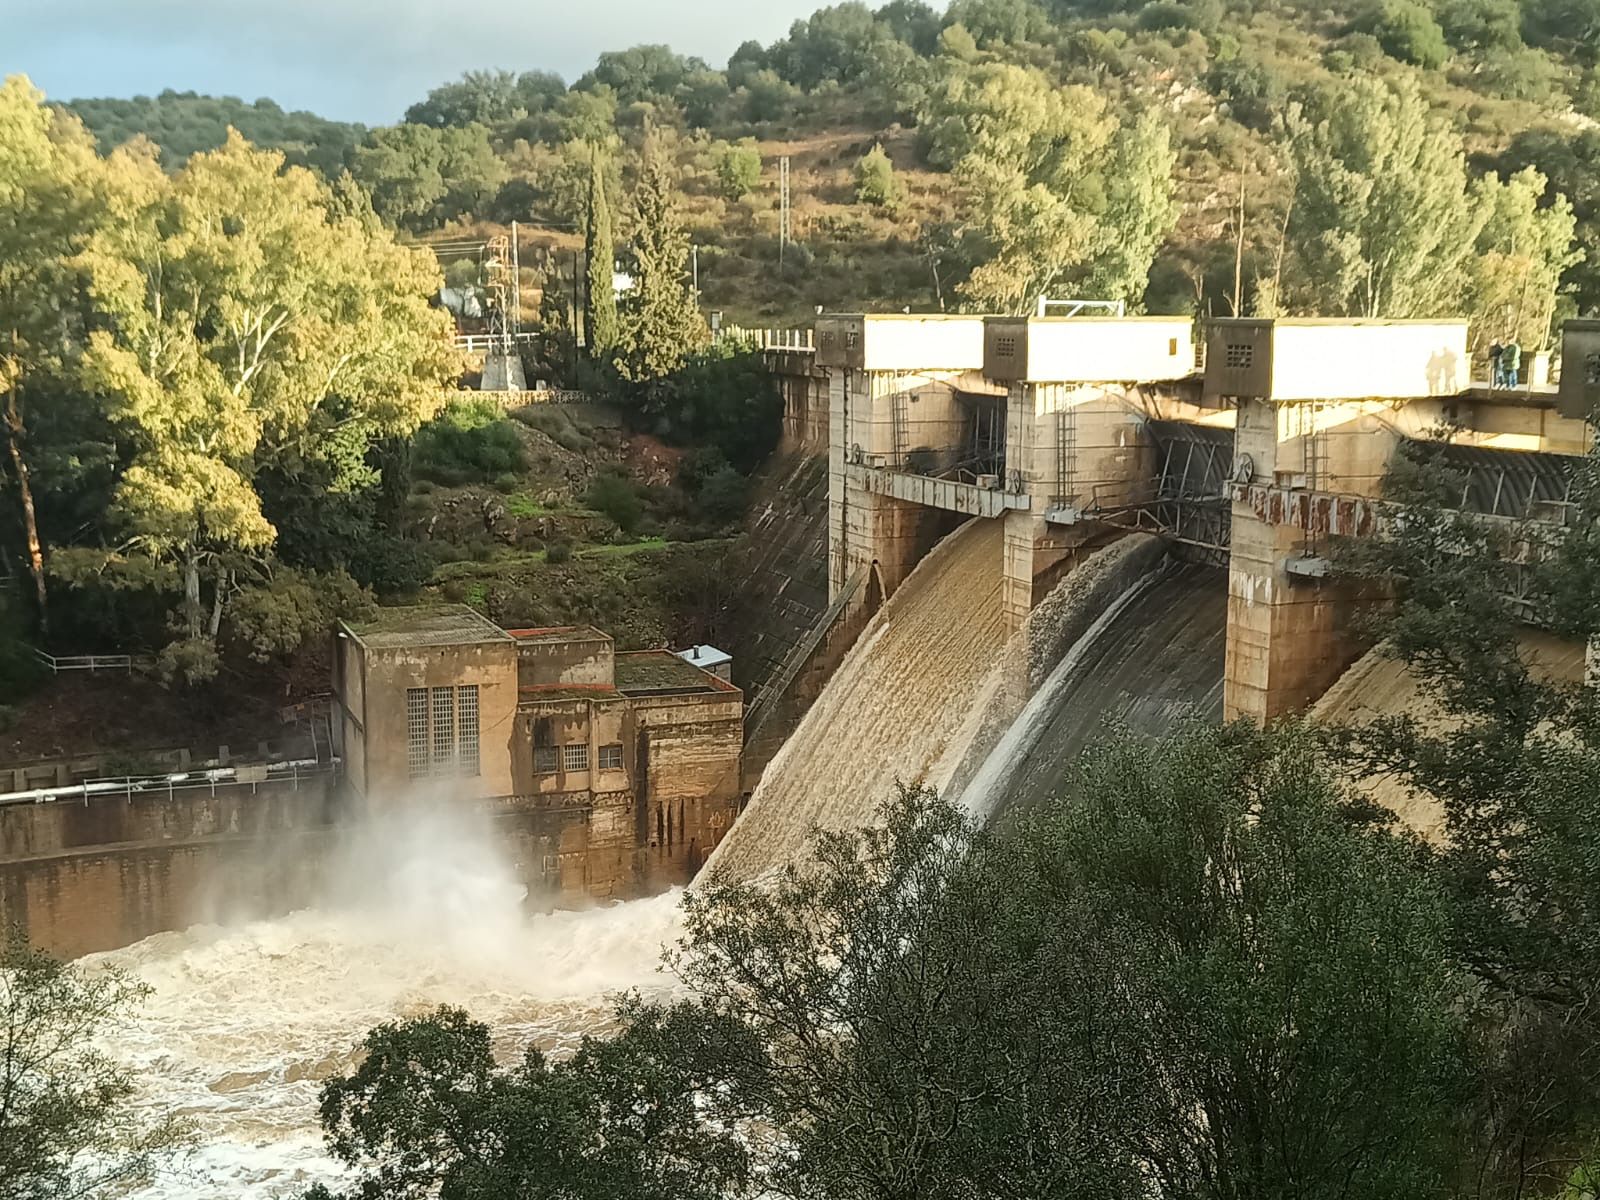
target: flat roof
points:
(410, 626)
(535, 693)
(705, 656)
(560, 633)
(661, 672)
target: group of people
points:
(1505, 364)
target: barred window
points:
(467, 729)
(417, 731)
(545, 761)
(611, 757)
(1005, 347)
(575, 758)
(444, 730)
(1239, 355)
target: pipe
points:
(213, 776)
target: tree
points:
(739, 168)
(913, 23)
(661, 321)
(477, 98)
(1381, 219)
(420, 176)
(875, 181)
(649, 73)
(48, 184)
(1511, 760)
(837, 43)
(1000, 22)
(1408, 31)
(1196, 974)
(69, 1124)
(428, 1113)
(1516, 266)
(600, 294)
(1571, 160)
(240, 326)
(1051, 181)
(1484, 26)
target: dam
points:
(1021, 551)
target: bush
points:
(723, 496)
(875, 181)
(470, 442)
(557, 424)
(739, 168)
(558, 551)
(614, 494)
(1407, 31)
(722, 396)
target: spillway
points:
(900, 707)
(1153, 663)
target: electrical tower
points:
(783, 208)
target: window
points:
(1172, 347)
(852, 340)
(545, 761)
(1592, 370)
(575, 758)
(467, 729)
(417, 731)
(442, 731)
(1005, 347)
(611, 757)
(1239, 355)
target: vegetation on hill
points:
(1213, 138)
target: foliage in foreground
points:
(1198, 975)
(68, 1125)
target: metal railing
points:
(128, 786)
(85, 662)
(510, 401)
(801, 341)
(472, 342)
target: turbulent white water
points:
(245, 1022)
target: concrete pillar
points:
(1023, 531)
(1289, 639)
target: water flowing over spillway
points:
(1152, 662)
(899, 707)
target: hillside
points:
(1517, 82)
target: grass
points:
(626, 548)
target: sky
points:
(353, 60)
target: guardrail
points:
(800, 341)
(85, 662)
(472, 342)
(510, 401)
(128, 786)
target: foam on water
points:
(245, 1022)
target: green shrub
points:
(875, 181)
(558, 552)
(470, 442)
(506, 484)
(739, 168)
(723, 496)
(614, 494)
(1407, 31)
(557, 424)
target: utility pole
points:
(783, 208)
(694, 258)
(516, 284)
(577, 312)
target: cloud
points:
(360, 60)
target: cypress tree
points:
(661, 321)
(600, 298)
